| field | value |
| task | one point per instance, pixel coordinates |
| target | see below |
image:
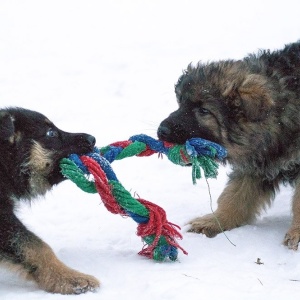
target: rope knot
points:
(157, 232)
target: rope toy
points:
(156, 231)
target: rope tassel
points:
(158, 234)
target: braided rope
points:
(158, 234)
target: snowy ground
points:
(108, 68)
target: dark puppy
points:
(31, 147)
(251, 107)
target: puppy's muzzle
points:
(91, 140)
(163, 132)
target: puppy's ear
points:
(7, 127)
(256, 98)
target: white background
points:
(109, 68)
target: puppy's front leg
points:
(292, 237)
(242, 199)
(21, 247)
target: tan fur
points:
(15, 138)
(40, 164)
(256, 97)
(31, 150)
(292, 237)
(18, 269)
(238, 204)
(40, 159)
(251, 107)
(52, 275)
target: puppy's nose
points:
(163, 132)
(91, 140)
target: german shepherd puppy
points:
(31, 147)
(251, 107)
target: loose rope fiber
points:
(156, 231)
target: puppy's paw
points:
(292, 238)
(208, 225)
(82, 284)
(67, 281)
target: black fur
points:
(251, 107)
(31, 147)
(267, 123)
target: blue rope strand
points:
(195, 147)
(153, 144)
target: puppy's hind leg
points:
(239, 203)
(292, 237)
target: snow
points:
(108, 68)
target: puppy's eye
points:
(52, 133)
(203, 111)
